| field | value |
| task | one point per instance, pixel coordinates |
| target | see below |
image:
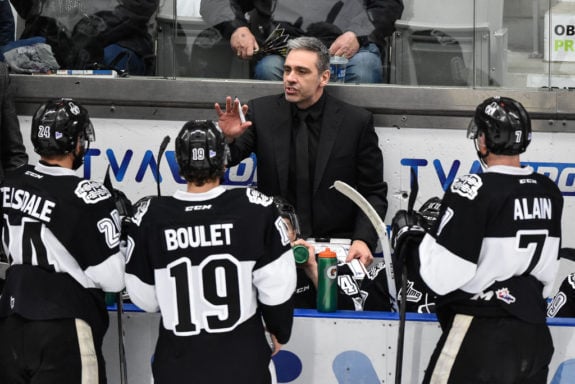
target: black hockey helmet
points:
(505, 124)
(201, 146)
(57, 126)
(287, 210)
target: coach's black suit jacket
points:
(348, 150)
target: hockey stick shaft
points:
(414, 186)
(161, 151)
(121, 345)
(381, 230)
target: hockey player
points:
(215, 263)
(492, 258)
(407, 231)
(61, 234)
(359, 288)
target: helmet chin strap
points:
(481, 156)
(78, 159)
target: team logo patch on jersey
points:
(413, 294)
(141, 209)
(467, 186)
(92, 192)
(504, 295)
(256, 197)
(571, 280)
(558, 302)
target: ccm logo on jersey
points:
(92, 192)
(467, 186)
(198, 207)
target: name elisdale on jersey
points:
(28, 203)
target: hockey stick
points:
(381, 230)
(403, 303)
(121, 347)
(163, 146)
(119, 307)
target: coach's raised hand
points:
(231, 120)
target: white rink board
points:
(132, 145)
(129, 143)
(345, 348)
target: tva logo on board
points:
(563, 174)
(243, 174)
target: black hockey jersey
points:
(495, 246)
(563, 303)
(214, 264)
(61, 234)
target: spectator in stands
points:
(83, 35)
(348, 28)
(7, 25)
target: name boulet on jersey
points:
(28, 203)
(195, 236)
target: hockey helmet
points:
(287, 211)
(429, 212)
(57, 126)
(505, 124)
(201, 146)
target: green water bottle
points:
(300, 253)
(327, 281)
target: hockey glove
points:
(405, 226)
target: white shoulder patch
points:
(467, 186)
(571, 280)
(256, 197)
(558, 302)
(92, 191)
(141, 209)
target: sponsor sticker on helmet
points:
(92, 192)
(74, 108)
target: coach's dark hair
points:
(312, 44)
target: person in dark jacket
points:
(353, 29)
(12, 150)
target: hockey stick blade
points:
(381, 230)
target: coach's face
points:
(303, 84)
